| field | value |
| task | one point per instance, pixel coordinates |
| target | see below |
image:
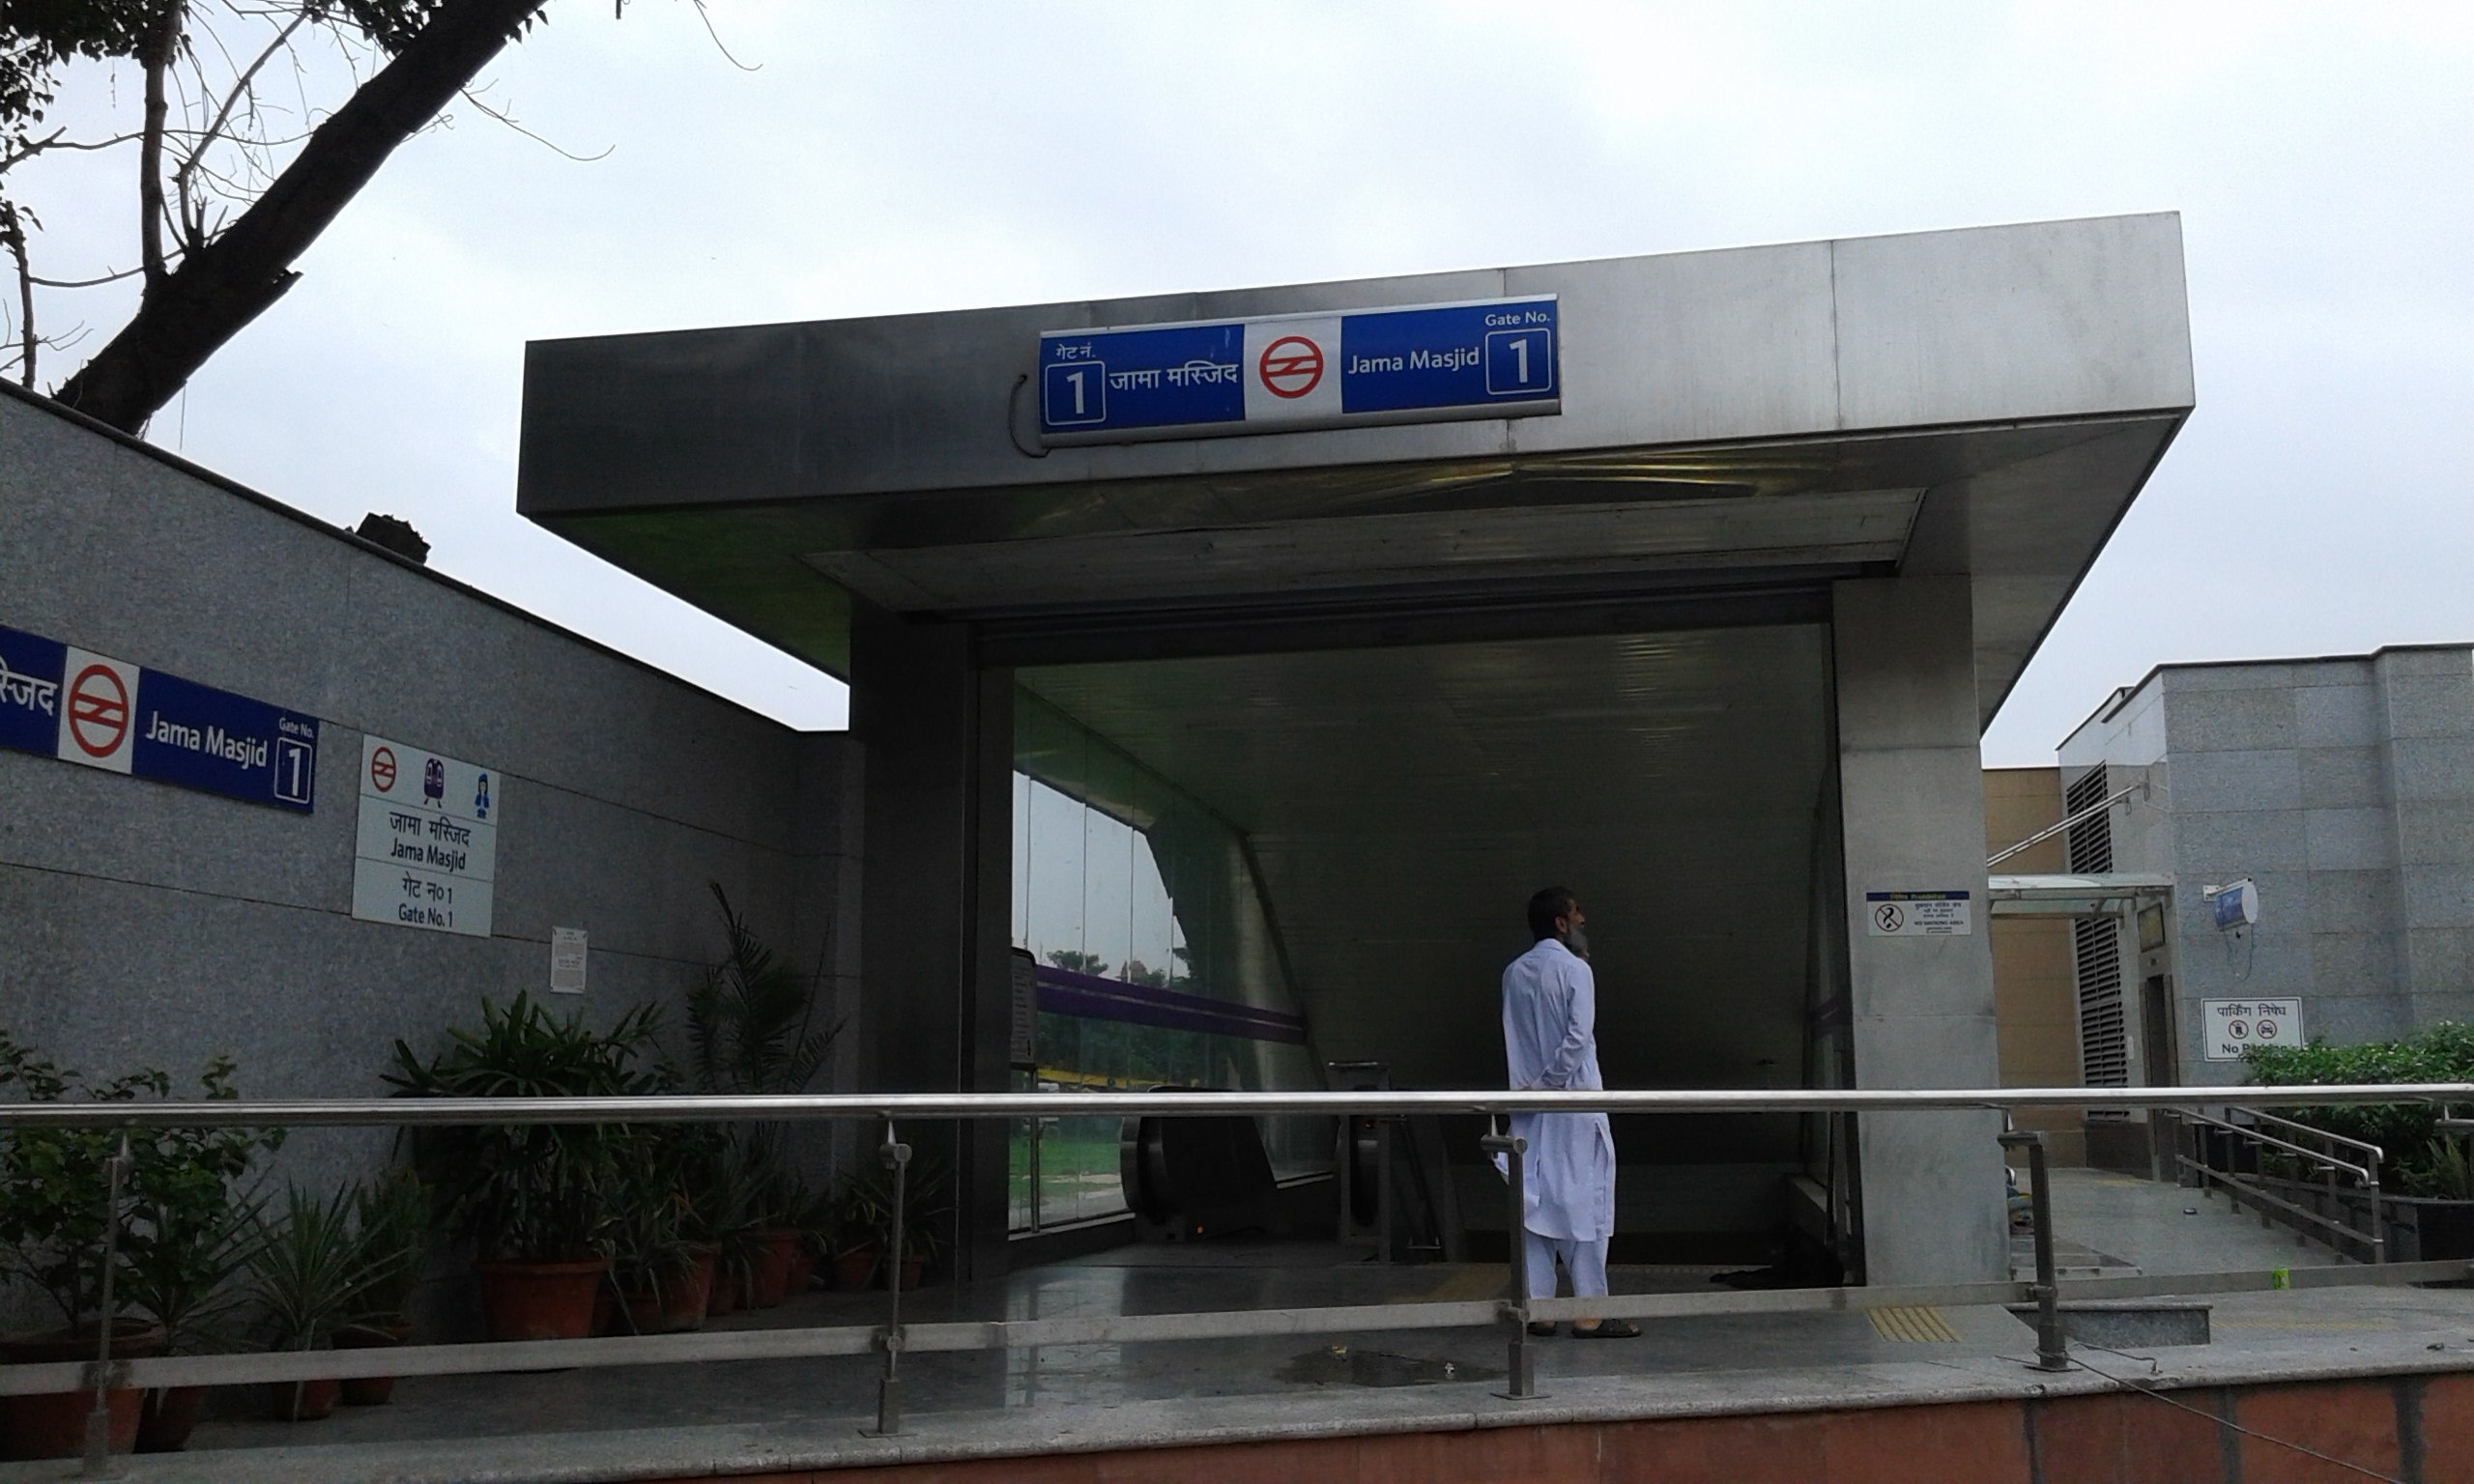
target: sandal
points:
(1544, 1328)
(1608, 1329)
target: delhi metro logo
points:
(1290, 366)
(382, 769)
(98, 711)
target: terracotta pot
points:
(371, 1391)
(540, 1301)
(853, 1268)
(301, 1401)
(170, 1415)
(681, 1301)
(606, 1318)
(769, 1276)
(721, 1296)
(913, 1270)
(803, 1270)
(54, 1426)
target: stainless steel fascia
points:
(2015, 322)
(384, 1112)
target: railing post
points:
(897, 1158)
(2052, 1353)
(1038, 1131)
(99, 1422)
(1521, 1384)
(1383, 1189)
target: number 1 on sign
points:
(1076, 377)
(1520, 352)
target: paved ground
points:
(678, 1418)
(2125, 1223)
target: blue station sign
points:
(62, 701)
(1289, 373)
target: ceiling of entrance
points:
(1403, 804)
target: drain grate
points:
(1916, 1326)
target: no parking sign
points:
(2233, 1026)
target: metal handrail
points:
(2052, 830)
(692, 1107)
(2374, 1240)
(893, 1337)
(2378, 1155)
(2365, 1176)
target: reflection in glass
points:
(1156, 962)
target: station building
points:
(1210, 729)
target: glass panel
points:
(1119, 875)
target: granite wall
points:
(2345, 788)
(142, 923)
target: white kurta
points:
(1551, 1041)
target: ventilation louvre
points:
(2104, 1038)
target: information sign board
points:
(426, 849)
(1024, 980)
(2233, 1026)
(1918, 914)
(1286, 373)
(90, 709)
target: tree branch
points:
(17, 237)
(162, 43)
(184, 178)
(226, 283)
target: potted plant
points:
(662, 1273)
(728, 1212)
(390, 1224)
(182, 1279)
(311, 1277)
(857, 1217)
(171, 1241)
(752, 1027)
(536, 1200)
(868, 1217)
(808, 1214)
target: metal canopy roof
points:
(2111, 894)
(1756, 420)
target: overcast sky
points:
(900, 157)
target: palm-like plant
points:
(312, 1275)
(751, 1021)
(532, 1193)
(391, 1220)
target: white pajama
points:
(1584, 1258)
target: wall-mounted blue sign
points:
(64, 703)
(1437, 362)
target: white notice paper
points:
(566, 961)
(426, 851)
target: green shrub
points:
(2417, 1158)
(186, 1216)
